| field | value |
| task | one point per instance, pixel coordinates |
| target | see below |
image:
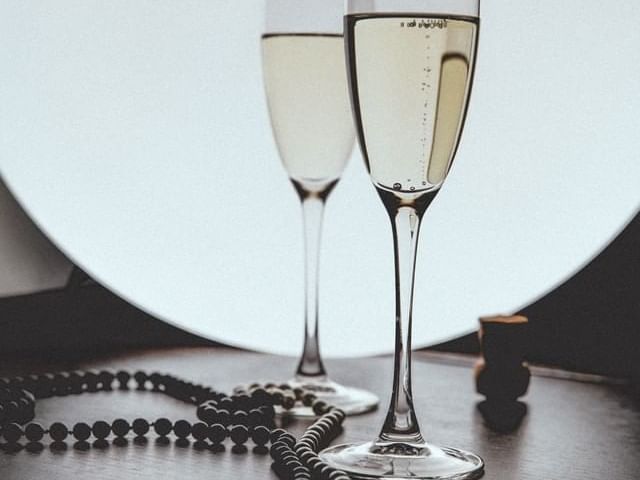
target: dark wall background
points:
(591, 323)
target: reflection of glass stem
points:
(401, 425)
(312, 213)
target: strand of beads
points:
(299, 460)
(247, 414)
(239, 418)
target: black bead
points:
(288, 458)
(319, 407)
(162, 427)
(244, 401)
(199, 430)
(61, 384)
(338, 475)
(91, 381)
(260, 435)
(217, 433)
(226, 403)
(16, 382)
(157, 380)
(76, 379)
(268, 412)
(255, 418)
(12, 411)
(12, 432)
(210, 402)
(260, 396)
(326, 421)
(34, 432)
(295, 466)
(313, 433)
(239, 434)
(140, 426)
(277, 396)
(300, 448)
(123, 378)
(42, 386)
(81, 431)
(322, 428)
(288, 401)
(106, 378)
(299, 470)
(288, 439)
(101, 429)
(26, 411)
(338, 413)
(325, 471)
(58, 432)
(307, 443)
(240, 417)
(141, 379)
(276, 434)
(120, 427)
(182, 429)
(202, 409)
(223, 417)
(313, 444)
(277, 450)
(6, 394)
(27, 393)
(308, 399)
(315, 463)
(208, 414)
(306, 455)
(279, 445)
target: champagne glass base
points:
(397, 462)
(352, 401)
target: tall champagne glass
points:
(307, 92)
(411, 68)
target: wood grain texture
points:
(573, 429)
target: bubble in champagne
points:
(397, 186)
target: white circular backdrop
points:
(136, 135)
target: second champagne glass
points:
(411, 66)
(307, 93)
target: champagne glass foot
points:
(352, 401)
(398, 462)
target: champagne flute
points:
(411, 66)
(306, 86)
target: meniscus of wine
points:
(410, 78)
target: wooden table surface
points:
(575, 428)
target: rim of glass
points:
(303, 16)
(463, 8)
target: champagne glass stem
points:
(312, 212)
(401, 424)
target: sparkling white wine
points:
(410, 79)
(307, 92)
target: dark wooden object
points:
(501, 374)
(576, 428)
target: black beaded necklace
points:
(246, 414)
